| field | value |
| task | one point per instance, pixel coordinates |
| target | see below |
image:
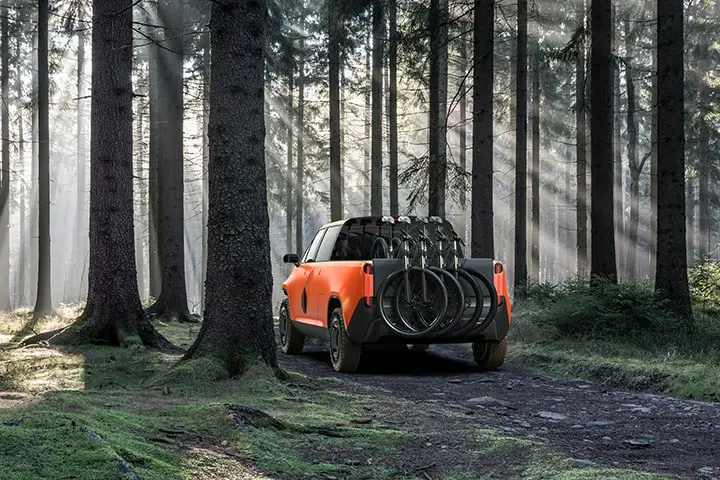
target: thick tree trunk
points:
(81, 214)
(437, 179)
(5, 166)
(521, 273)
(376, 203)
(581, 153)
(535, 168)
(671, 277)
(335, 37)
(113, 312)
(633, 160)
(601, 132)
(483, 245)
(290, 173)
(43, 302)
(238, 316)
(392, 109)
(172, 302)
(300, 130)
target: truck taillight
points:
(498, 268)
(368, 283)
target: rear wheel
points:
(344, 355)
(490, 355)
(291, 340)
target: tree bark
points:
(633, 161)
(113, 312)
(521, 273)
(652, 253)
(154, 224)
(81, 226)
(238, 316)
(689, 217)
(439, 18)
(462, 134)
(376, 203)
(602, 263)
(172, 302)
(535, 168)
(619, 211)
(206, 159)
(368, 127)
(290, 174)
(581, 152)
(392, 109)
(335, 37)
(483, 245)
(5, 166)
(300, 129)
(671, 277)
(43, 302)
(704, 191)
(22, 261)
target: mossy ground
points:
(91, 412)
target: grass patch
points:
(618, 335)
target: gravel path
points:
(443, 403)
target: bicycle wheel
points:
(420, 315)
(492, 293)
(380, 248)
(456, 301)
(473, 303)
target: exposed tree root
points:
(162, 310)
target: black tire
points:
(291, 340)
(344, 355)
(474, 302)
(418, 347)
(456, 301)
(490, 355)
(389, 303)
(483, 281)
(380, 248)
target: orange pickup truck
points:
(393, 280)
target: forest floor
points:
(93, 412)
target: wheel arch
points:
(333, 303)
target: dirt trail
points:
(443, 403)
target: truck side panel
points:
(343, 280)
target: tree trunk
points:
(300, 129)
(138, 188)
(392, 109)
(704, 191)
(43, 302)
(619, 212)
(335, 37)
(22, 261)
(206, 159)
(5, 166)
(601, 132)
(634, 164)
(81, 227)
(376, 204)
(462, 134)
(238, 319)
(154, 224)
(113, 313)
(290, 174)
(481, 219)
(368, 130)
(34, 193)
(652, 254)
(521, 273)
(689, 217)
(437, 180)
(671, 277)
(581, 153)
(535, 167)
(172, 302)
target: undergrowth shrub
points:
(704, 280)
(626, 311)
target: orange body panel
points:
(322, 281)
(501, 288)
